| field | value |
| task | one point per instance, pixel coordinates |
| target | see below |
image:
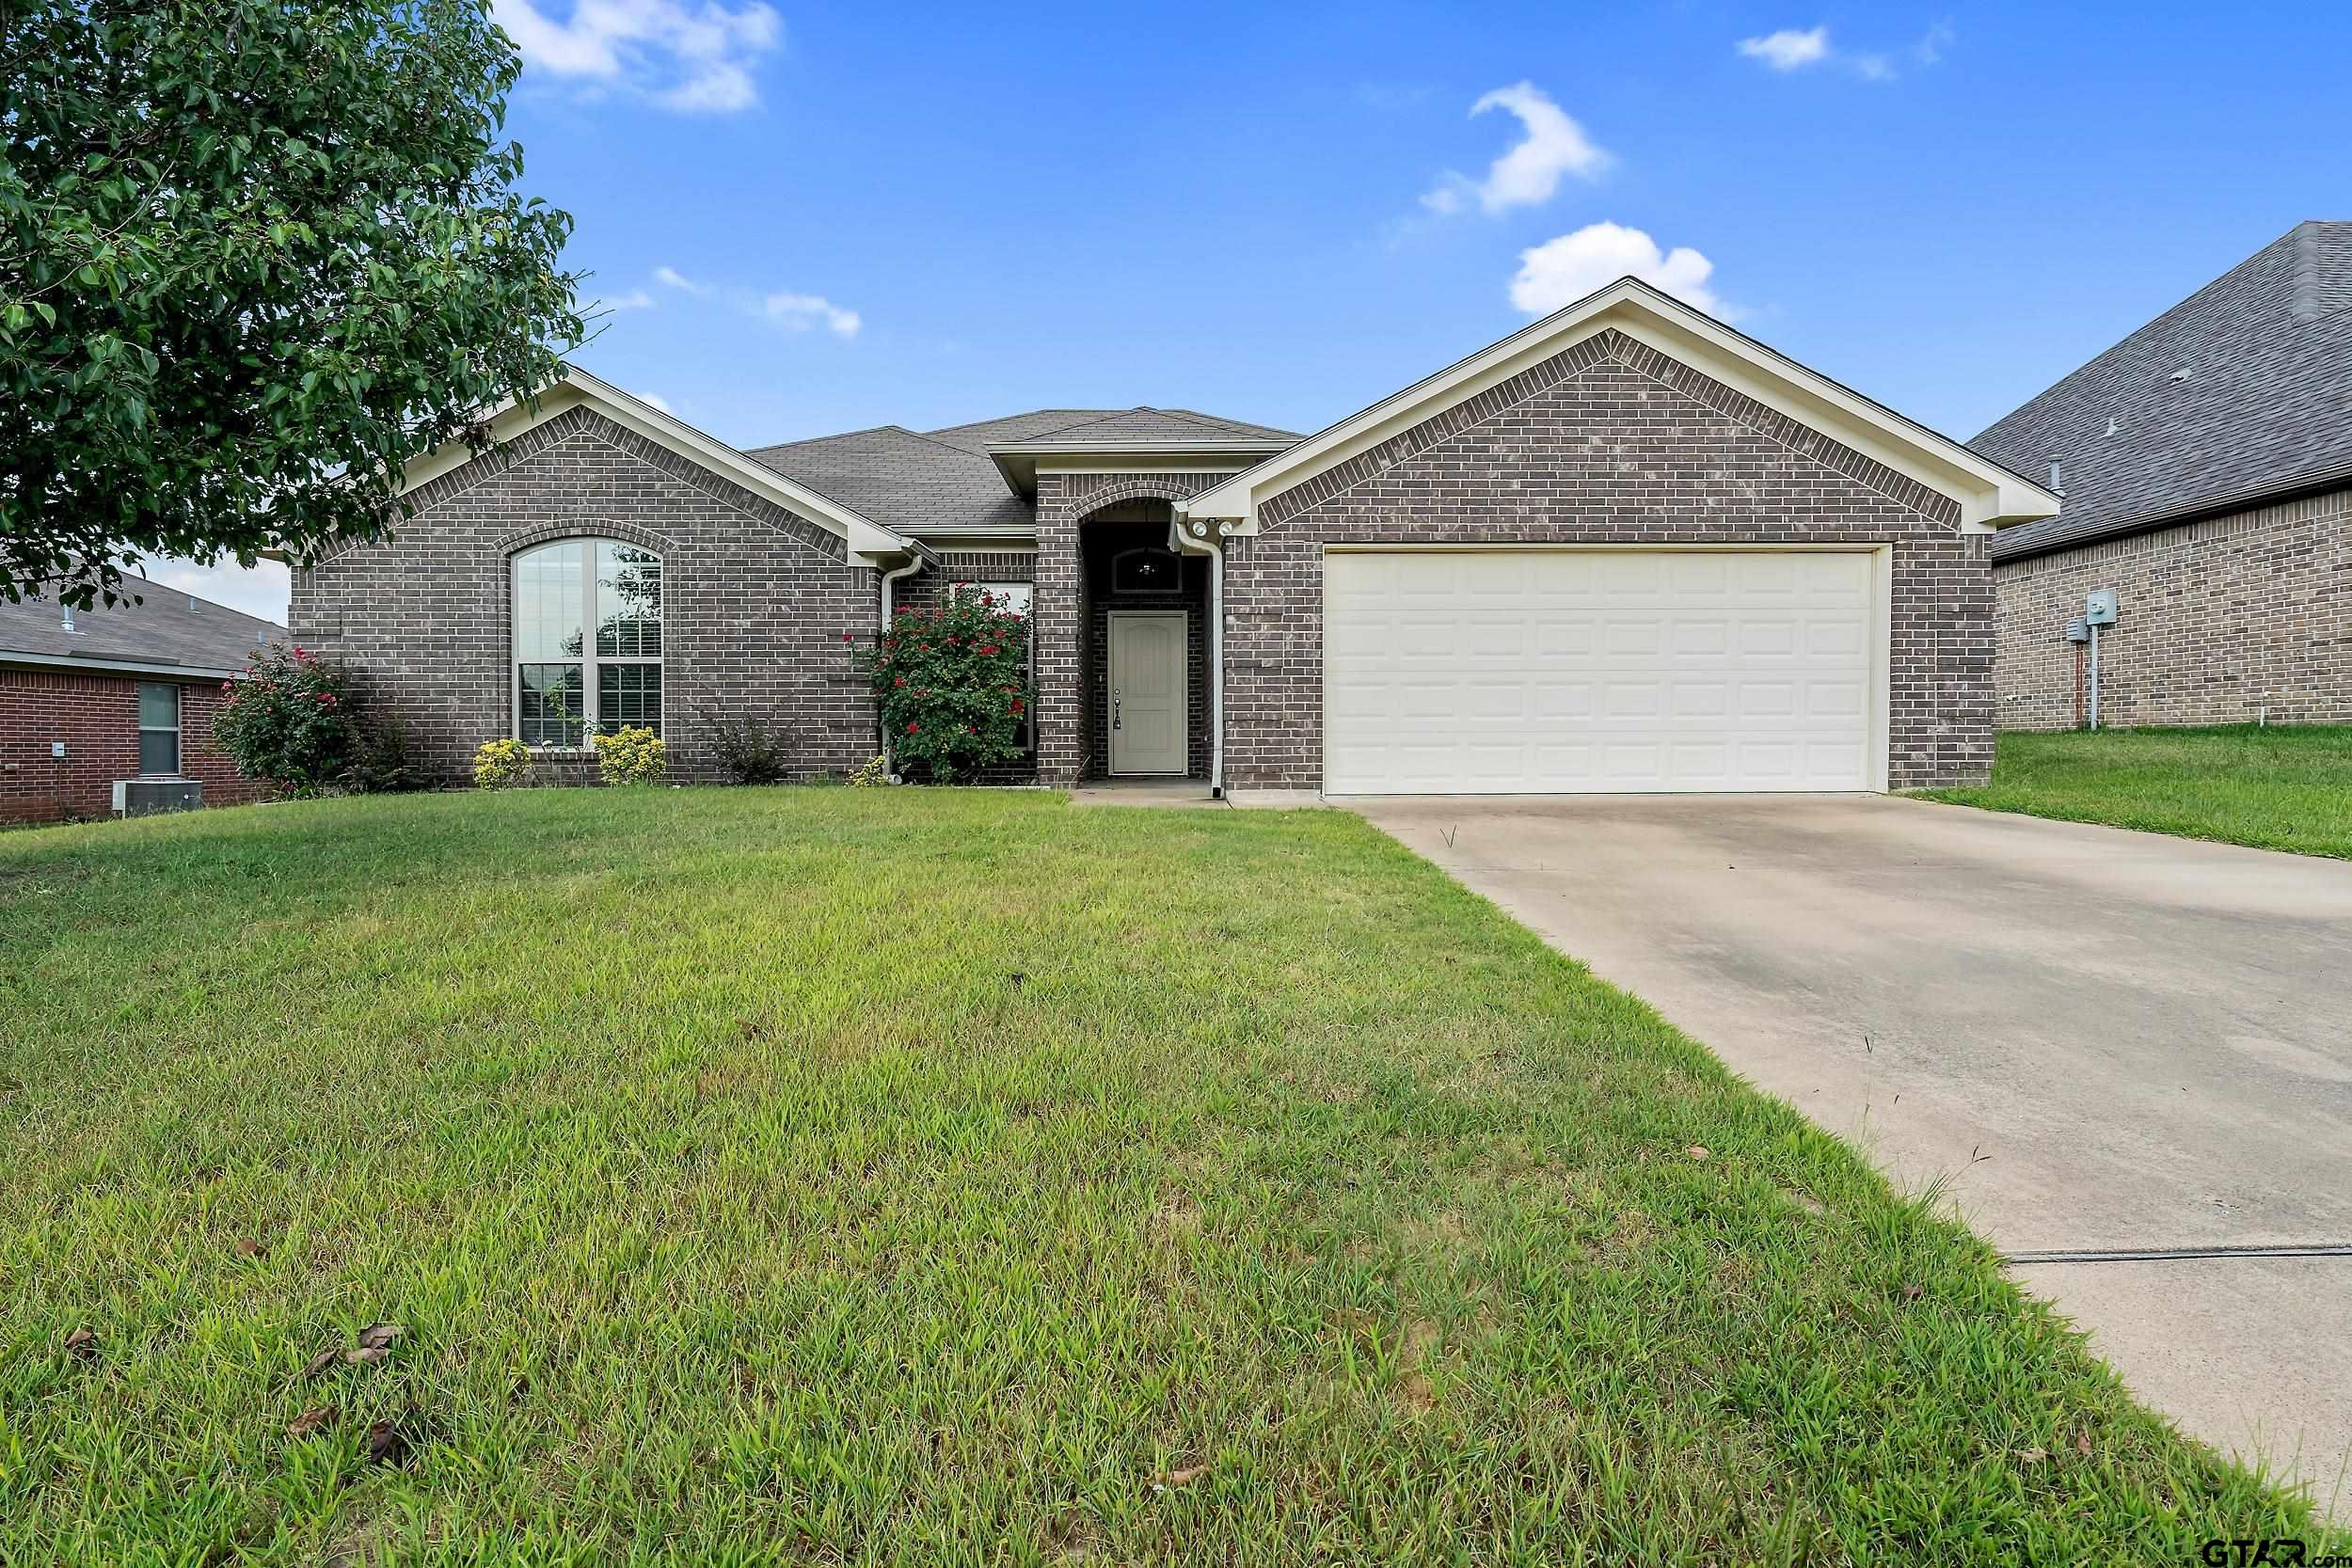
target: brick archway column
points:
(1059, 612)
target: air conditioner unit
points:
(146, 796)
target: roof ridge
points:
(1199, 418)
(837, 435)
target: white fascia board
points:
(99, 664)
(1989, 496)
(864, 536)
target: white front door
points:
(1557, 672)
(1147, 691)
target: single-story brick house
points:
(92, 697)
(2206, 466)
(1624, 548)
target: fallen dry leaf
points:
(1184, 1477)
(1697, 1151)
(82, 1343)
(320, 1362)
(385, 1443)
(2033, 1456)
(378, 1336)
(367, 1355)
(247, 1247)
(311, 1421)
(1911, 1291)
(2082, 1442)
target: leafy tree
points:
(254, 256)
(952, 681)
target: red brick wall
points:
(2222, 621)
(97, 716)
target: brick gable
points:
(1611, 443)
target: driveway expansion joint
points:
(2179, 1254)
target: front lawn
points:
(832, 1176)
(2279, 787)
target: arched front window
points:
(568, 683)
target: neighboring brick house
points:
(88, 697)
(2206, 466)
(1624, 548)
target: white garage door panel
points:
(1564, 671)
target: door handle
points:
(1114, 707)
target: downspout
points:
(1192, 538)
(889, 582)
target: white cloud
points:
(261, 589)
(1562, 271)
(1526, 175)
(655, 400)
(794, 312)
(1788, 49)
(684, 55)
(636, 299)
(799, 313)
(1793, 50)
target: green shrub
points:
(501, 764)
(870, 775)
(290, 723)
(631, 755)
(751, 751)
(952, 681)
(380, 762)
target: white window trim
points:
(177, 729)
(588, 659)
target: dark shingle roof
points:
(1150, 427)
(2266, 405)
(906, 482)
(167, 626)
(923, 481)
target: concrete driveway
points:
(2098, 1040)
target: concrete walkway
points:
(2098, 1040)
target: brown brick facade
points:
(97, 716)
(1610, 442)
(1066, 611)
(2225, 621)
(756, 599)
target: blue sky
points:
(817, 219)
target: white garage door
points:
(1565, 672)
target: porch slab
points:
(1163, 793)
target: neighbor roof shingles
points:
(167, 626)
(2266, 408)
(930, 480)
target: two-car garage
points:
(1485, 671)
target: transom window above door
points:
(1146, 571)
(569, 684)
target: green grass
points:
(2279, 787)
(832, 1176)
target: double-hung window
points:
(159, 727)
(587, 641)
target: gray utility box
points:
(2099, 608)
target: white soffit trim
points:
(1989, 494)
(510, 420)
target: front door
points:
(1148, 710)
